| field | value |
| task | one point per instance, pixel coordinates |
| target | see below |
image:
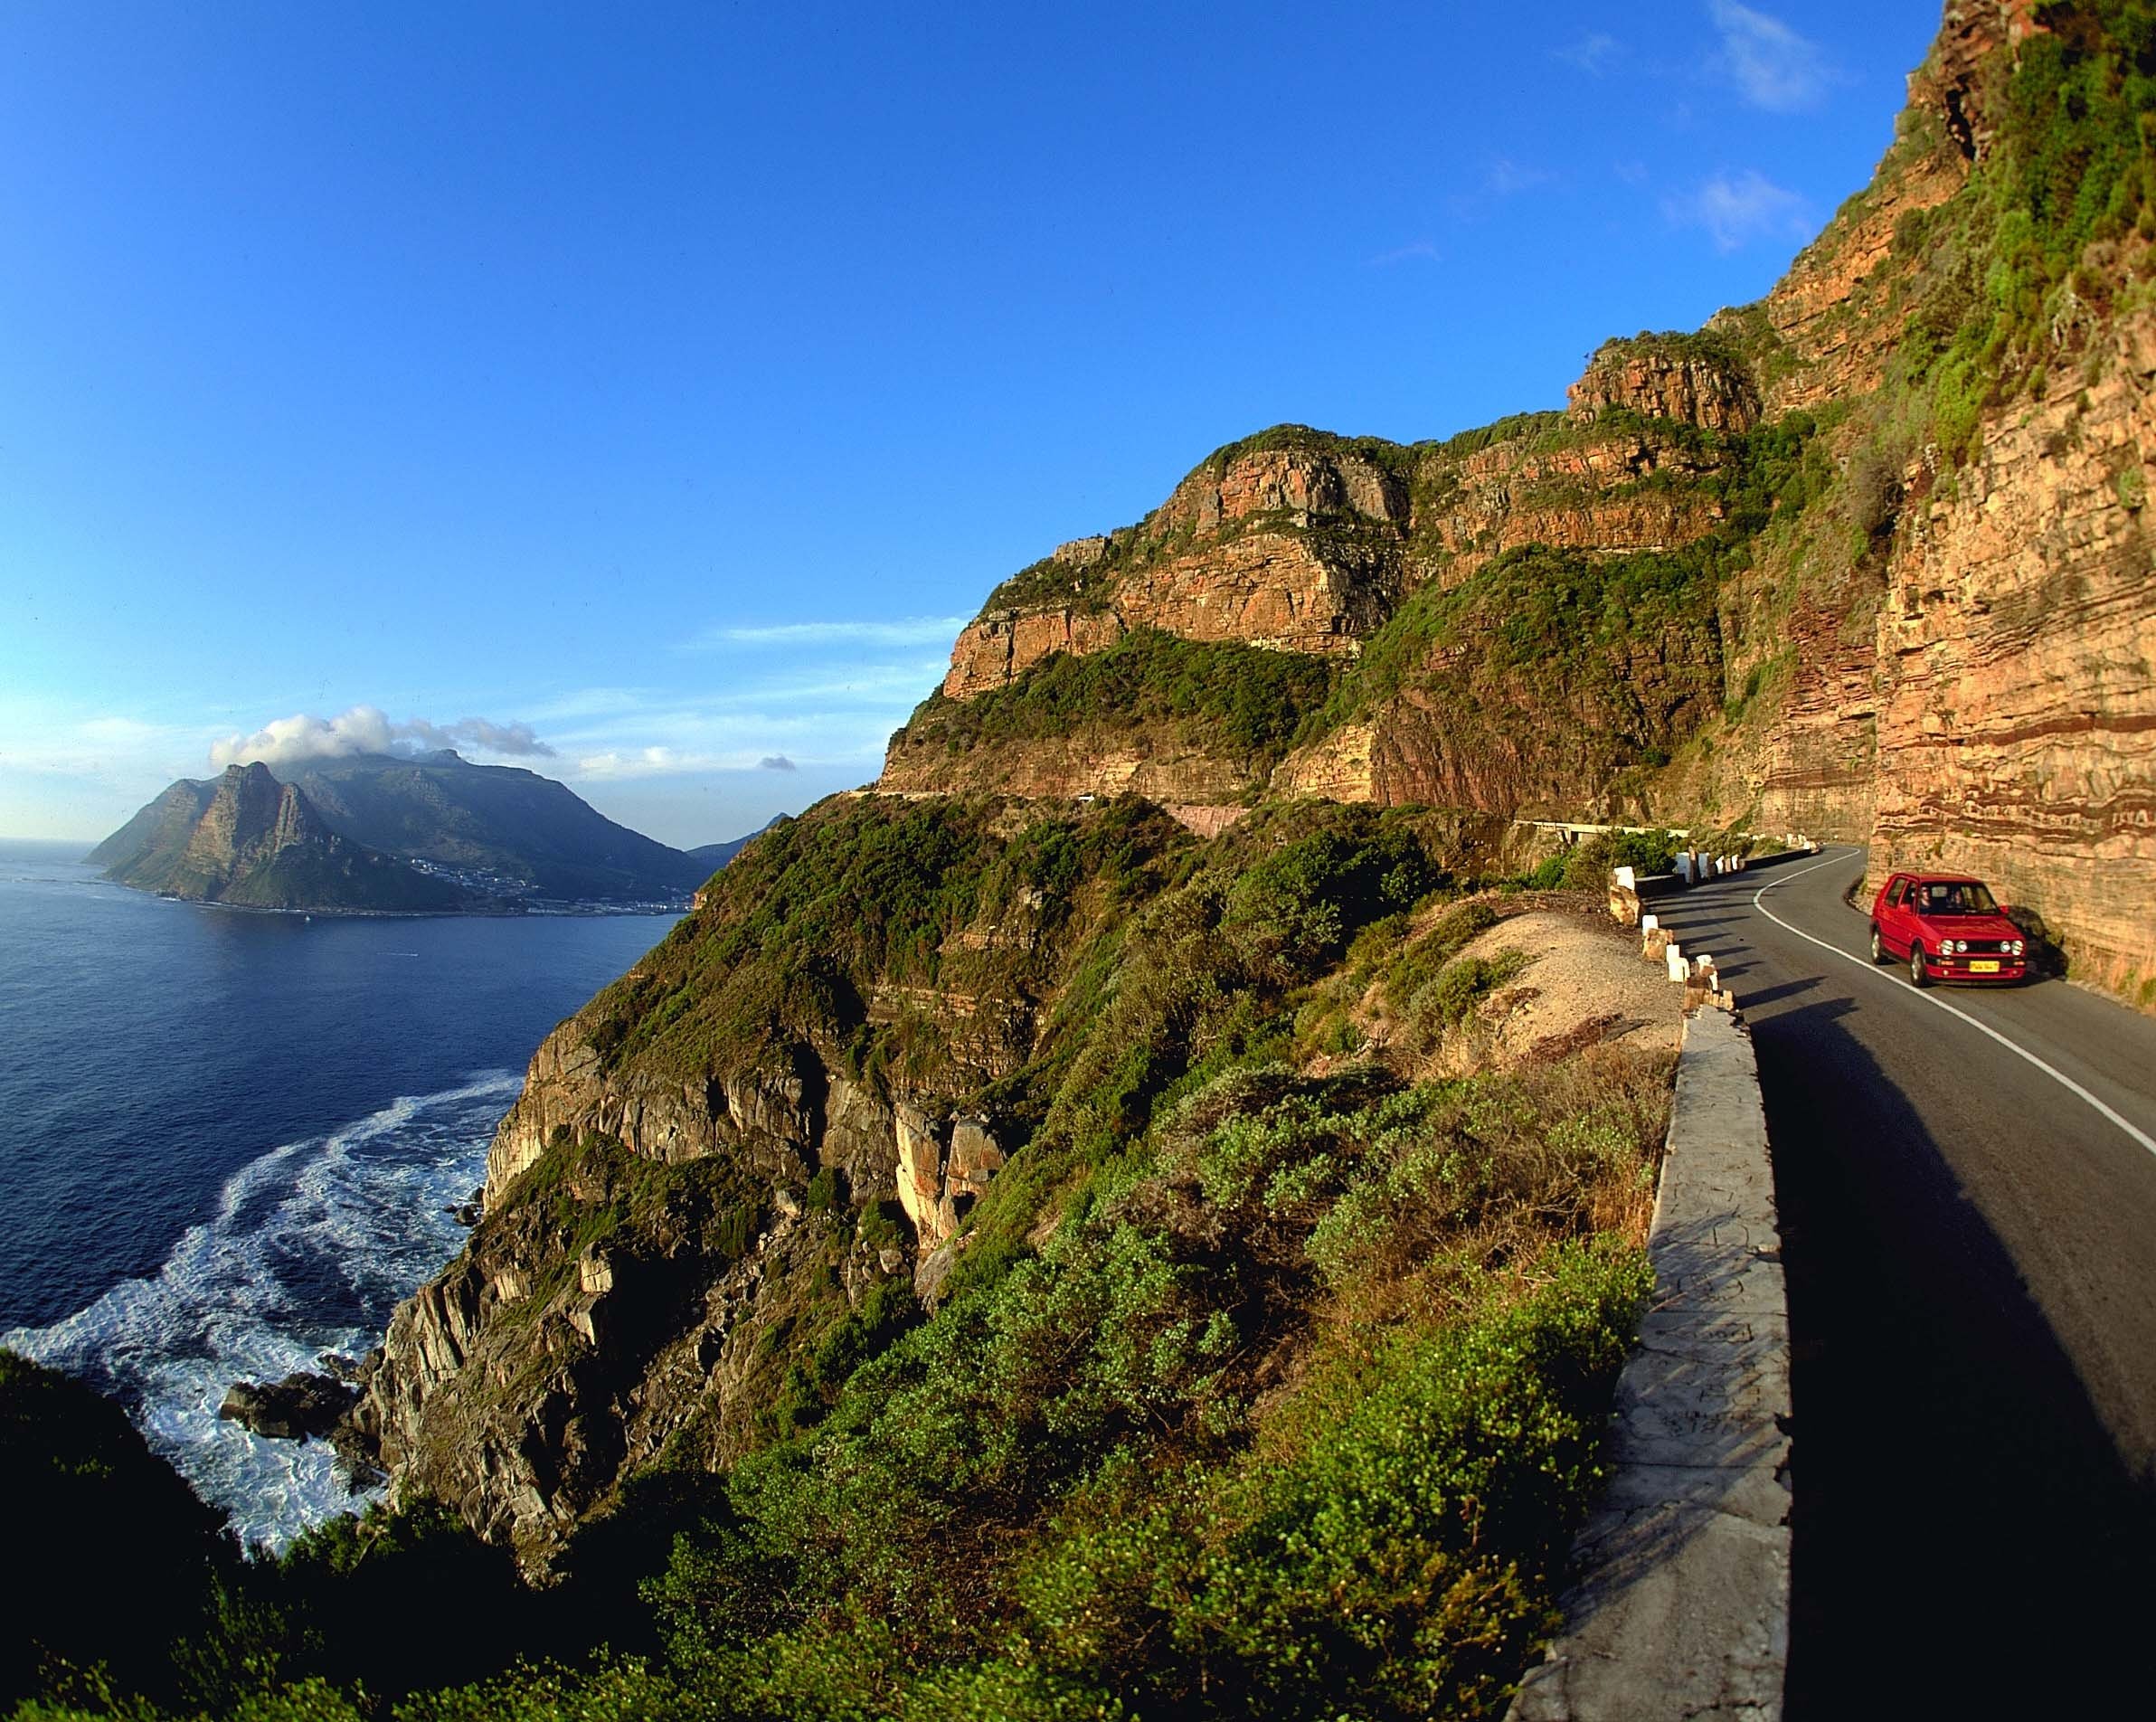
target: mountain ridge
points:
(488, 835)
(253, 842)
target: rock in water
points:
(302, 1404)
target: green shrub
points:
(1250, 701)
(1396, 1564)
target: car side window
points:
(1894, 893)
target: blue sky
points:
(659, 386)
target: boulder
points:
(302, 1404)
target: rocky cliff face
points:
(2018, 734)
(1302, 541)
(1928, 628)
(1659, 380)
(701, 1179)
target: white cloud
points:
(1591, 54)
(1771, 64)
(912, 630)
(1417, 251)
(1737, 208)
(1507, 178)
(367, 729)
(659, 762)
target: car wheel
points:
(1879, 951)
(1917, 977)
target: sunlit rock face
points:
(2018, 736)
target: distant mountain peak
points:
(244, 837)
(468, 833)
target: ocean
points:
(227, 1140)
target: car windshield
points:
(1954, 897)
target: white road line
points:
(1865, 963)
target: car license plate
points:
(1983, 966)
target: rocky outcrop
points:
(1305, 483)
(1310, 550)
(1659, 378)
(302, 1404)
(769, 1115)
(522, 1382)
(944, 1168)
(2018, 734)
(1607, 487)
(1338, 767)
(665, 1229)
(1000, 645)
(1949, 85)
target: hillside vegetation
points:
(1008, 1256)
(1269, 1379)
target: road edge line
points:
(2057, 1075)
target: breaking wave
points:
(310, 1249)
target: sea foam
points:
(310, 1248)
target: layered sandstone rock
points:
(1000, 645)
(1310, 551)
(1310, 482)
(1659, 380)
(2018, 736)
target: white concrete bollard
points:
(1648, 922)
(1684, 869)
(1678, 968)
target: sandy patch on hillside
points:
(1586, 984)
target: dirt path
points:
(1586, 984)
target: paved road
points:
(1967, 1181)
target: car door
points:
(1893, 916)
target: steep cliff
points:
(1866, 557)
(254, 841)
(858, 1076)
(765, 1128)
(873, 1186)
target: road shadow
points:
(1965, 1536)
(1764, 996)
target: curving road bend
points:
(1967, 1185)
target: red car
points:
(1946, 927)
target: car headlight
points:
(2017, 947)
(1957, 944)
